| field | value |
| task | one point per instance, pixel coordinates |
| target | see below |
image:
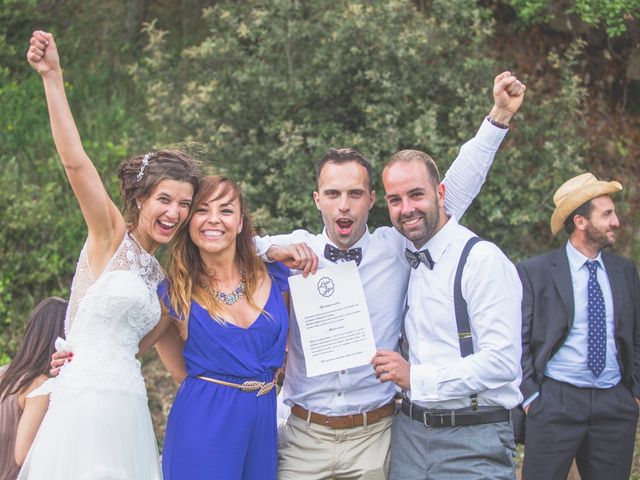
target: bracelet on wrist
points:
(504, 126)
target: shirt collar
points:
(362, 242)
(577, 259)
(441, 240)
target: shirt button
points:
(339, 394)
(342, 372)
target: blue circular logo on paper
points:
(326, 287)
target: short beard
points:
(431, 222)
(597, 238)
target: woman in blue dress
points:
(231, 315)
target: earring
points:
(139, 206)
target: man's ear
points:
(441, 194)
(372, 199)
(580, 222)
(316, 199)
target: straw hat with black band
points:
(575, 192)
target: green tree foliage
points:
(42, 229)
(270, 89)
(15, 18)
(547, 147)
(262, 90)
(612, 15)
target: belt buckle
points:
(265, 388)
(433, 419)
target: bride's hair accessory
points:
(145, 162)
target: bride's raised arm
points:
(105, 223)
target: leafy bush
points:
(612, 15)
(262, 93)
(42, 229)
(269, 90)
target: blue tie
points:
(597, 326)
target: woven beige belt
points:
(249, 386)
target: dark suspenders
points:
(462, 314)
(460, 308)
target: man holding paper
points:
(340, 421)
(333, 319)
(463, 326)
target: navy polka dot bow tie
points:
(336, 255)
(414, 258)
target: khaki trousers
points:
(314, 452)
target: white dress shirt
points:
(384, 273)
(440, 377)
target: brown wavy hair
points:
(162, 165)
(186, 269)
(33, 357)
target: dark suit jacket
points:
(548, 309)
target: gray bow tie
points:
(414, 258)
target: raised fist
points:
(43, 54)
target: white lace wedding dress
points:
(98, 425)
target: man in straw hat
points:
(581, 342)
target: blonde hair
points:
(186, 269)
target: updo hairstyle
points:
(137, 181)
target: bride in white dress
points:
(98, 425)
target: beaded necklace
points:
(226, 298)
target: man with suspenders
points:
(463, 327)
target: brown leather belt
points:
(346, 421)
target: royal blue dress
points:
(220, 432)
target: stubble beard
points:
(600, 239)
(431, 221)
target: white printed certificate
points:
(333, 318)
